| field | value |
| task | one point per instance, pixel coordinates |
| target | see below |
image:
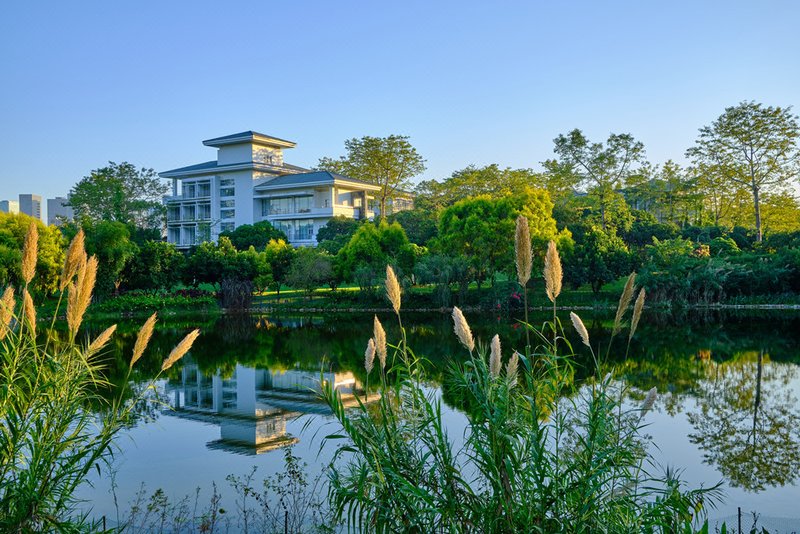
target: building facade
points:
(31, 205)
(9, 206)
(249, 182)
(58, 211)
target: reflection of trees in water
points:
(747, 421)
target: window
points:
(223, 182)
(305, 230)
(188, 213)
(227, 203)
(188, 191)
(304, 204)
(286, 227)
(226, 192)
(174, 214)
(203, 189)
(204, 212)
(227, 227)
(203, 233)
(189, 235)
(227, 214)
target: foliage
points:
(598, 257)
(138, 302)
(110, 242)
(156, 265)
(309, 270)
(754, 147)
(120, 192)
(538, 456)
(371, 247)
(279, 256)
(421, 225)
(253, 235)
(390, 162)
(214, 262)
(336, 233)
(49, 256)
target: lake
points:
(728, 407)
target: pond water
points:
(728, 407)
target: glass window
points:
(304, 204)
(227, 214)
(225, 182)
(226, 192)
(203, 189)
(286, 227)
(305, 230)
(227, 203)
(204, 211)
(188, 191)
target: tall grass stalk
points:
(540, 453)
(52, 434)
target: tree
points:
(600, 168)
(599, 257)
(753, 146)
(390, 162)
(279, 256)
(371, 248)
(336, 233)
(420, 225)
(253, 235)
(50, 254)
(156, 265)
(121, 193)
(309, 270)
(110, 242)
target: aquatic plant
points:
(51, 433)
(539, 454)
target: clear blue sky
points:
(470, 82)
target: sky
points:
(84, 83)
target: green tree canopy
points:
(754, 147)
(156, 265)
(336, 233)
(50, 258)
(309, 270)
(390, 162)
(111, 242)
(253, 235)
(279, 255)
(122, 193)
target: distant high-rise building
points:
(58, 211)
(31, 205)
(9, 206)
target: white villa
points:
(248, 183)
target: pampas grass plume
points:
(180, 349)
(74, 259)
(522, 250)
(143, 338)
(101, 340)
(511, 368)
(393, 289)
(578, 324)
(649, 401)
(7, 304)
(552, 272)
(637, 312)
(80, 293)
(462, 329)
(29, 253)
(369, 355)
(29, 311)
(495, 357)
(624, 303)
(379, 335)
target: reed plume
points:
(637, 313)
(511, 368)
(578, 324)
(624, 303)
(393, 289)
(552, 272)
(462, 329)
(649, 401)
(29, 253)
(29, 312)
(369, 355)
(143, 338)
(495, 357)
(80, 294)
(101, 340)
(522, 250)
(379, 335)
(180, 349)
(75, 257)
(7, 304)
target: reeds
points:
(552, 272)
(624, 303)
(379, 335)
(462, 329)
(369, 356)
(522, 251)
(495, 357)
(180, 349)
(580, 328)
(511, 368)
(101, 340)
(7, 304)
(80, 294)
(393, 289)
(73, 259)
(29, 253)
(143, 338)
(29, 312)
(638, 306)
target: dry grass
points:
(522, 251)
(29, 253)
(553, 274)
(180, 349)
(143, 338)
(392, 289)
(462, 329)
(379, 335)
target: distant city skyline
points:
(470, 83)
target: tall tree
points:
(390, 162)
(753, 146)
(120, 192)
(600, 168)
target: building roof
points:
(211, 167)
(249, 137)
(309, 178)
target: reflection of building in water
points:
(253, 405)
